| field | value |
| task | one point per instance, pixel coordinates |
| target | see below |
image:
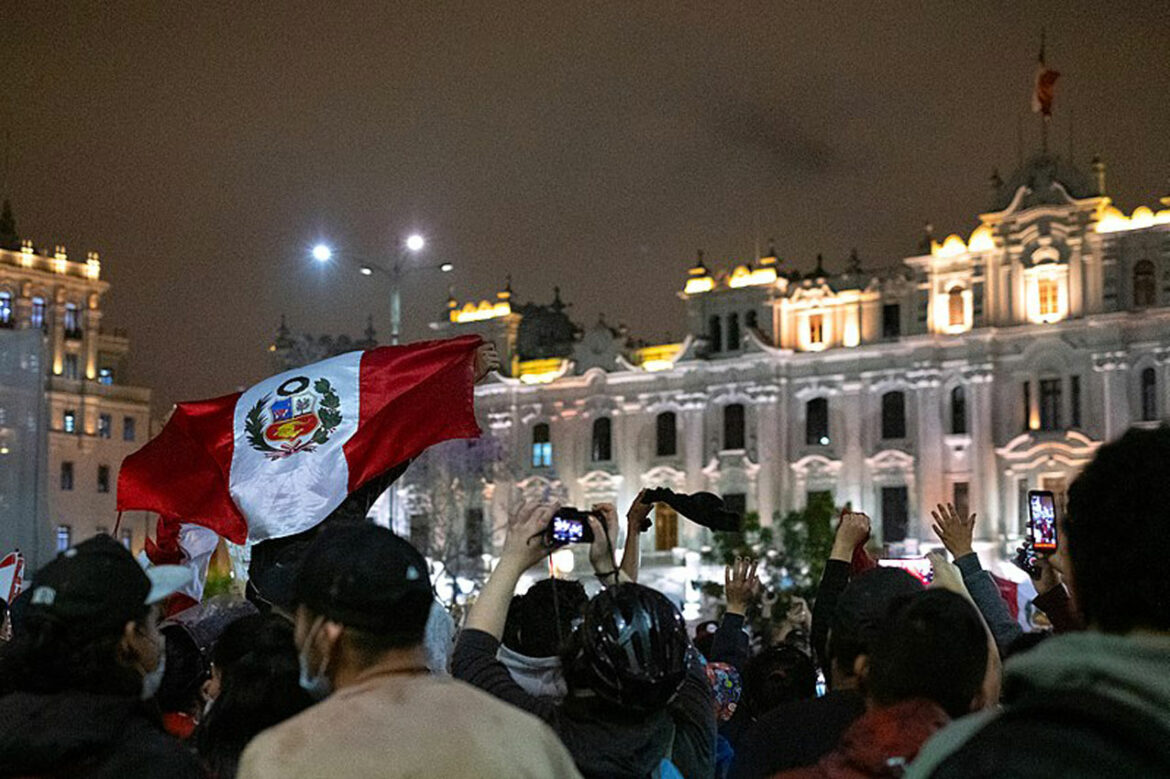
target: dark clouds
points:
(202, 148)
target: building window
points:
(103, 478)
(1144, 285)
(733, 339)
(894, 415)
(106, 376)
(1050, 397)
(474, 532)
(5, 309)
(66, 476)
(128, 538)
(961, 498)
(816, 422)
(895, 514)
(1027, 405)
(816, 328)
(72, 321)
(958, 411)
(956, 316)
(64, 537)
(37, 320)
(70, 368)
(602, 449)
(891, 320)
(715, 333)
(127, 428)
(665, 527)
(541, 447)
(105, 425)
(667, 434)
(751, 321)
(1049, 303)
(1149, 395)
(733, 426)
(69, 421)
(1074, 399)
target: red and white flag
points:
(277, 458)
(11, 575)
(1045, 87)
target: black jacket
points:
(795, 734)
(75, 734)
(603, 740)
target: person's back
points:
(363, 599)
(72, 681)
(1095, 703)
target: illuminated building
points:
(94, 417)
(971, 372)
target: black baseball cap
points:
(364, 576)
(98, 585)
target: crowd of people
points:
(352, 668)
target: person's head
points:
(542, 619)
(630, 649)
(861, 611)
(361, 594)
(777, 675)
(254, 686)
(91, 624)
(1115, 534)
(186, 671)
(932, 645)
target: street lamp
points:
(415, 242)
(322, 253)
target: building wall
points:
(85, 367)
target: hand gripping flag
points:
(277, 458)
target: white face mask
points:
(318, 687)
(153, 679)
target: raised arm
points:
(635, 519)
(852, 530)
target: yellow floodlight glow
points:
(1112, 220)
(697, 285)
(541, 371)
(981, 240)
(953, 246)
(745, 277)
(478, 313)
(93, 266)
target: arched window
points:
(733, 426)
(1144, 289)
(715, 333)
(816, 422)
(5, 309)
(602, 448)
(958, 411)
(667, 434)
(1149, 395)
(37, 320)
(733, 339)
(894, 415)
(541, 446)
(816, 328)
(956, 311)
(72, 321)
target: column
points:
(984, 472)
(852, 476)
(1113, 369)
(928, 459)
(694, 406)
(92, 327)
(768, 452)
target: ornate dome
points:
(1040, 174)
(545, 331)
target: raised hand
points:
(637, 517)
(953, 530)
(740, 584)
(601, 550)
(487, 359)
(852, 531)
(524, 543)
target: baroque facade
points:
(971, 372)
(94, 418)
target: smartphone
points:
(570, 526)
(918, 567)
(1042, 520)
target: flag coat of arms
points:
(276, 459)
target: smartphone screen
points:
(918, 567)
(568, 531)
(1042, 520)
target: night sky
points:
(203, 148)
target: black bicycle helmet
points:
(633, 647)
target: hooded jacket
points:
(76, 734)
(879, 744)
(1079, 704)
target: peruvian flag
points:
(11, 575)
(276, 459)
(1017, 596)
(1045, 88)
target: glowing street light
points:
(366, 270)
(446, 267)
(415, 242)
(322, 253)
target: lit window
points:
(103, 478)
(602, 449)
(541, 446)
(667, 425)
(127, 428)
(105, 425)
(5, 309)
(105, 376)
(64, 537)
(69, 421)
(37, 320)
(66, 476)
(733, 426)
(816, 328)
(956, 313)
(72, 321)
(1049, 302)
